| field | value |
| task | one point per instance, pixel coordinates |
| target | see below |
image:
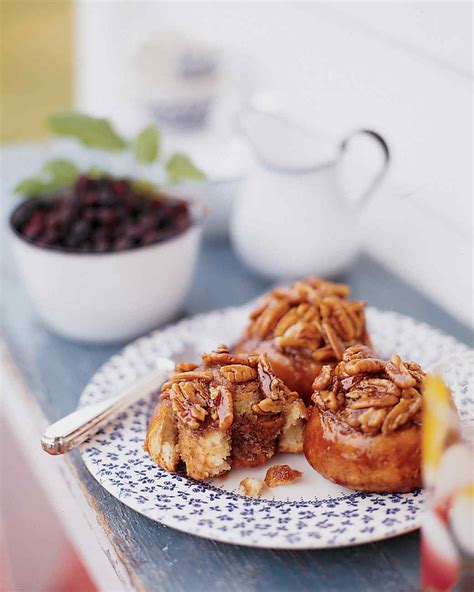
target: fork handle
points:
(75, 428)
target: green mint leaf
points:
(55, 174)
(59, 173)
(146, 145)
(181, 168)
(30, 186)
(93, 132)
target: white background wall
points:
(404, 69)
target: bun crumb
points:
(281, 475)
(252, 486)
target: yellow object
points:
(439, 422)
(36, 65)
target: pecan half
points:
(372, 419)
(401, 414)
(269, 317)
(375, 401)
(238, 373)
(369, 366)
(267, 406)
(399, 373)
(222, 357)
(192, 375)
(185, 366)
(299, 327)
(323, 354)
(357, 352)
(331, 400)
(323, 379)
(333, 339)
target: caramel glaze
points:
(381, 463)
(296, 370)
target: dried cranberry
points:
(146, 222)
(23, 213)
(150, 237)
(80, 230)
(102, 234)
(107, 216)
(101, 246)
(91, 198)
(122, 243)
(90, 214)
(120, 187)
(50, 236)
(106, 198)
(35, 225)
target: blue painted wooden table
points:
(154, 557)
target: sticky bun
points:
(302, 327)
(364, 430)
(231, 410)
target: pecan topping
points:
(323, 379)
(192, 375)
(371, 420)
(399, 373)
(222, 357)
(267, 406)
(324, 354)
(185, 366)
(269, 317)
(369, 366)
(332, 399)
(312, 316)
(401, 414)
(238, 373)
(370, 394)
(203, 396)
(195, 401)
(189, 402)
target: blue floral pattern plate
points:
(309, 514)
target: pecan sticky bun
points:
(304, 326)
(229, 411)
(364, 431)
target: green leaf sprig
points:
(99, 133)
(53, 176)
(146, 146)
(181, 168)
(93, 132)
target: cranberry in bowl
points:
(106, 259)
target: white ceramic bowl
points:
(108, 297)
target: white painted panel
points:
(401, 68)
(424, 250)
(438, 30)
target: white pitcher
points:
(290, 218)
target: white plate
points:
(312, 513)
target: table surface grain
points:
(157, 557)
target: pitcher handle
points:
(377, 179)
